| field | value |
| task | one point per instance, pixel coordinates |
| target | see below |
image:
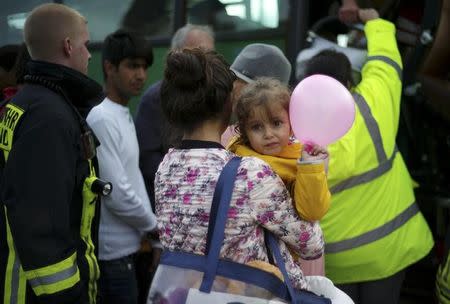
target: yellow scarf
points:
(284, 164)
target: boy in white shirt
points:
(126, 215)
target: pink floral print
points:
(184, 188)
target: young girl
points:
(265, 131)
(262, 111)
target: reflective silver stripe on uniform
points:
(54, 278)
(14, 288)
(374, 131)
(15, 281)
(375, 234)
(384, 165)
(366, 176)
(372, 126)
(389, 61)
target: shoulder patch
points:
(8, 122)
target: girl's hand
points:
(313, 151)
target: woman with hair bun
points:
(195, 96)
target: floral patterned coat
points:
(184, 188)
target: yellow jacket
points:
(374, 228)
(307, 183)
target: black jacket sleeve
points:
(149, 129)
(38, 194)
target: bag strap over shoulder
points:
(217, 220)
(227, 175)
(211, 265)
(225, 268)
(216, 232)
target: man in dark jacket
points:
(46, 156)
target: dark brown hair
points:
(123, 44)
(196, 87)
(331, 63)
(262, 92)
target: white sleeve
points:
(124, 201)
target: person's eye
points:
(255, 127)
(278, 123)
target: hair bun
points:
(185, 68)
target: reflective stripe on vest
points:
(389, 61)
(87, 214)
(374, 234)
(54, 278)
(366, 176)
(385, 164)
(15, 281)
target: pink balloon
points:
(321, 110)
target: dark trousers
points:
(117, 283)
(144, 277)
(385, 291)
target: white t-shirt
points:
(126, 213)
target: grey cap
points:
(261, 60)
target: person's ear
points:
(109, 67)
(67, 47)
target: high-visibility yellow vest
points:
(373, 228)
